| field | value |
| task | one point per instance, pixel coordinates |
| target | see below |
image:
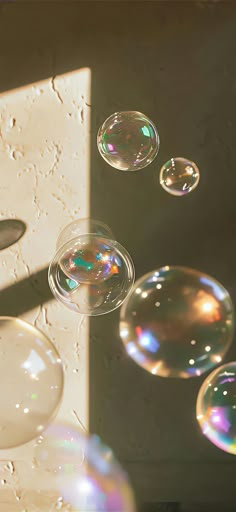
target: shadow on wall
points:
(11, 230)
(25, 295)
(28, 293)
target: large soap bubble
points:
(177, 322)
(61, 479)
(128, 141)
(216, 407)
(31, 377)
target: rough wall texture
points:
(44, 165)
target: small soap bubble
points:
(128, 141)
(91, 275)
(179, 176)
(177, 322)
(216, 407)
(32, 377)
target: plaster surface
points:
(45, 170)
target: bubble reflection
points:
(128, 141)
(32, 382)
(91, 275)
(216, 407)
(98, 484)
(177, 322)
(179, 176)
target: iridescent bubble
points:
(99, 484)
(58, 450)
(216, 407)
(177, 322)
(128, 141)
(179, 176)
(91, 274)
(90, 260)
(31, 382)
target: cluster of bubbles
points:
(177, 322)
(92, 273)
(130, 141)
(71, 469)
(174, 322)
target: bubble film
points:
(128, 141)
(58, 450)
(90, 261)
(216, 407)
(177, 322)
(83, 227)
(179, 176)
(91, 275)
(31, 382)
(99, 484)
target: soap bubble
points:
(90, 260)
(91, 275)
(216, 407)
(177, 322)
(83, 227)
(57, 450)
(128, 141)
(31, 382)
(99, 484)
(179, 176)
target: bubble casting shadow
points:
(11, 231)
(25, 295)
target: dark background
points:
(175, 62)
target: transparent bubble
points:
(31, 382)
(99, 484)
(91, 274)
(179, 176)
(90, 259)
(58, 450)
(216, 407)
(83, 227)
(177, 322)
(128, 141)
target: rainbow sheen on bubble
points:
(58, 450)
(177, 322)
(89, 262)
(128, 141)
(31, 381)
(91, 274)
(216, 407)
(179, 176)
(98, 484)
